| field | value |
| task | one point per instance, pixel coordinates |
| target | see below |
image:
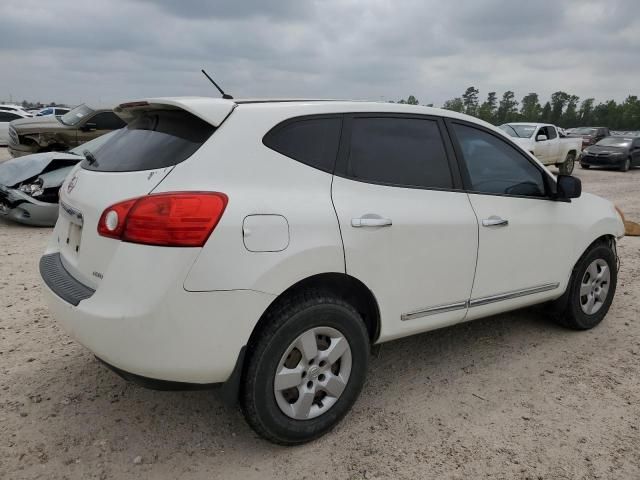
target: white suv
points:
(266, 245)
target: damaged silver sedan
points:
(29, 185)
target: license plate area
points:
(70, 236)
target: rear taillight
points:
(174, 219)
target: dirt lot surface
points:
(512, 396)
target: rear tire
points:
(626, 165)
(296, 345)
(590, 291)
(566, 168)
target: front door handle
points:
(371, 221)
(495, 221)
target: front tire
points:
(626, 165)
(585, 166)
(566, 168)
(590, 291)
(306, 369)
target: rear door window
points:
(312, 141)
(404, 152)
(155, 139)
(106, 121)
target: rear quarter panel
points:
(257, 181)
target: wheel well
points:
(342, 285)
(608, 239)
(572, 151)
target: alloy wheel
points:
(594, 287)
(312, 373)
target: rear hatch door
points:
(160, 134)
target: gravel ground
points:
(512, 396)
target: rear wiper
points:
(89, 156)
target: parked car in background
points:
(590, 135)
(268, 245)
(617, 152)
(545, 142)
(16, 109)
(57, 111)
(6, 117)
(29, 185)
(43, 134)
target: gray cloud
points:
(72, 51)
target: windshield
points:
(75, 115)
(584, 131)
(518, 131)
(614, 142)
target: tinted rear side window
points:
(156, 139)
(398, 151)
(313, 142)
(106, 121)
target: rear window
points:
(155, 139)
(313, 141)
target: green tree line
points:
(562, 109)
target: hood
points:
(523, 142)
(604, 149)
(17, 170)
(37, 124)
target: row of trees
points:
(563, 109)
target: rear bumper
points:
(167, 335)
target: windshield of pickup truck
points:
(614, 142)
(518, 131)
(584, 131)
(75, 115)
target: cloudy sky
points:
(113, 50)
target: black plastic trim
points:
(155, 384)
(61, 282)
(229, 390)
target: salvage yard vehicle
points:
(546, 143)
(6, 117)
(622, 153)
(51, 133)
(590, 135)
(266, 245)
(29, 185)
(56, 111)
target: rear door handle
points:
(371, 221)
(495, 221)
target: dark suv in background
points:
(590, 135)
(51, 133)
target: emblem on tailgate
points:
(72, 184)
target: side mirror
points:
(541, 138)
(88, 127)
(568, 187)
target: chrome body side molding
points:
(450, 307)
(476, 302)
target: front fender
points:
(598, 218)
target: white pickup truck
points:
(547, 143)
